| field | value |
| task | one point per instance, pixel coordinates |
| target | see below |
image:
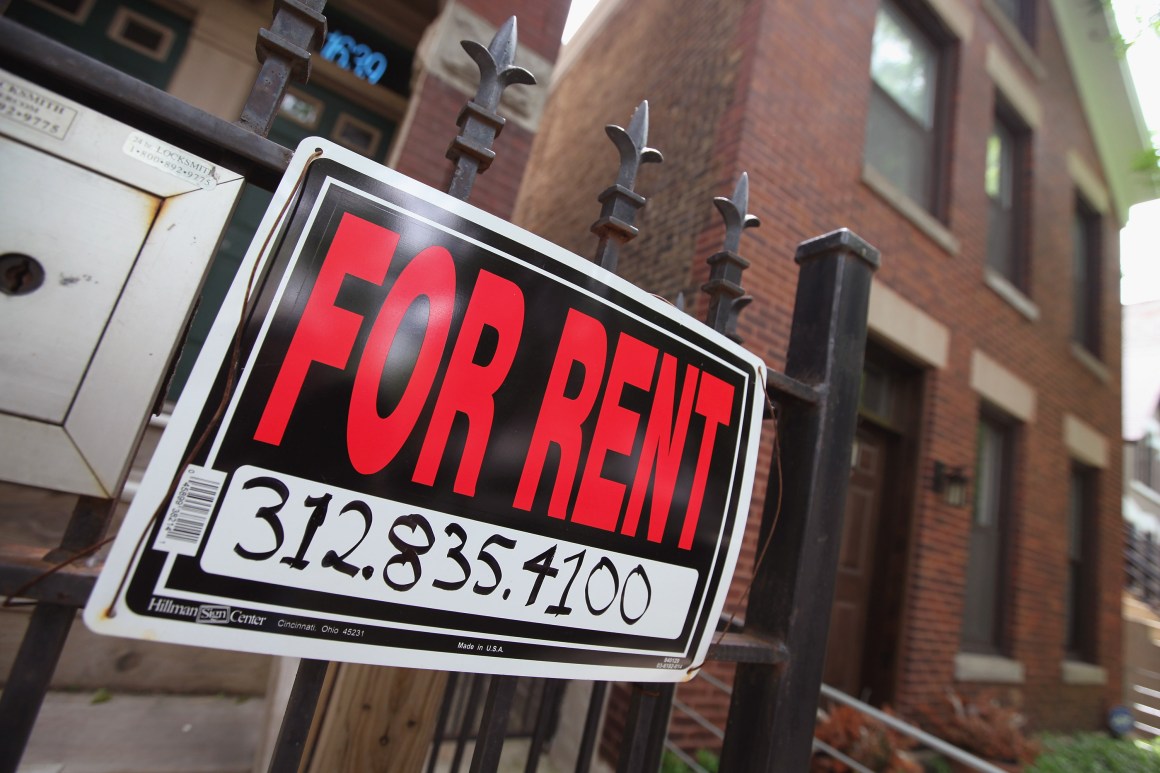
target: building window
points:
(1086, 269)
(301, 109)
(982, 607)
(1005, 181)
(141, 34)
(1022, 15)
(73, 10)
(902, 141)
(357, 135)
(1147, 461)
(1081, 580)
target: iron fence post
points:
(300, 710)
(29, 679)
(284, 51)
(771, 716)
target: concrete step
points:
(144, 734)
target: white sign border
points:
(171, 452)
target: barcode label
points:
(189, 512)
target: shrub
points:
(986, 727)
(1095, 753)
(864, 740)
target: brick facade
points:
(782, 91)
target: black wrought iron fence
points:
(778, 654)
(1142, 565)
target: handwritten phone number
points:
(417, 554)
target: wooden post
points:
(376, 719)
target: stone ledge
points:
(993, 669)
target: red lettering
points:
(664, 444)
(599, 499)
(583, 342)
(715, 403)
(326, 334)
(469, 388)
(373, 440)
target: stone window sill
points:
(1091, 362)
(910, 209)
(1011, 32)
(992, 669)
(1075, 672)
(1011, 294)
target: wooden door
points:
(856, 563)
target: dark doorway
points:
(866, 616)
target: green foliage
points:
(671, 763)
(102, 695)
(708, 760)
(1095, 753)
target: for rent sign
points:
(451, 445)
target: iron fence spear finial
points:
(726, 297)
(480, 124)
(619, 201)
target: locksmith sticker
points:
(170, 159)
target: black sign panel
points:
(451, 445)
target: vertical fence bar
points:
(29, 679)
(284, 51)
(299, 715)
(44, 639)
(619, 203)
(545, 719)
(471, 151)
(771, 715)
(493, 724)
(441, 722)
(591, 725)
(646, 727)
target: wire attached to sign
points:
(231, 379)
(691, 670)
(227, 393)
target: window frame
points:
(1018, 241)
(1081, 589)
(944, 42)
(995, 641)
(124, 16)
(1087, 290)
(1024, 20)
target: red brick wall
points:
(781, 90)
(433, 127)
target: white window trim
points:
(1015, 89)
(1091, 362)
(1084, 442)
(1002, 388)
(314, 101)
(910, 209)
(1094, 193)
(117, 28)
(1014, 36)
(1003, 287)
(79, 16)
(905, 326)
(346, 119)
(1079, 673)
(992, 669)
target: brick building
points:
(986, 148)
